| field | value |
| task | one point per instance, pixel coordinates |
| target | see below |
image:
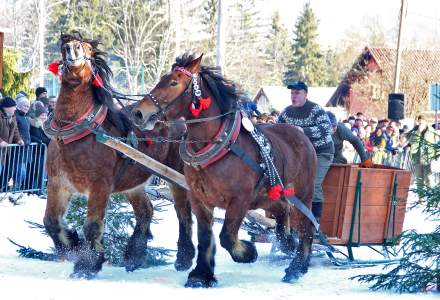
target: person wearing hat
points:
(22, 120)
(340, 134)
(9, 133)
(36, 128)
(40, 92)
(11, 161)
(311, 119)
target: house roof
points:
(279, 96)
(418, 65)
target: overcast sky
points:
(337, 16)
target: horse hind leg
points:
(136, 251)
(300, 263)
(185, 247)
(91, 255)
(65, 240)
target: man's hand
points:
(3, 144)
(367, 163)
(20, 142)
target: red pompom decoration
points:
(53, 67)
(195, 111)
(274, 192)
(205, 103)
(149, 142)
(98, 81)
(289, 192)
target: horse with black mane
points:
(78, 163)
(221, 165)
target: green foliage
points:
(306, 62)
(419, 268)
(119, 225)
(13, 81)
(277, 51)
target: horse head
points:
(171, 96)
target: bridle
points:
(193, 85)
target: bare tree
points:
(142, 40)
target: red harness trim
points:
(184, 71)
(99, 119)
(225, 150)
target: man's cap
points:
(7, 102)
(297, 85)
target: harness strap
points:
(304, 210)
(246, 158)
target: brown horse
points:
(219, 178)
(78, 163)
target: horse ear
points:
(194, 66)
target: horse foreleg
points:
(185, 247)
(300, 263)
(241, 251)
(64, 239)
(203, 274)
(91, 256)
(136, 250)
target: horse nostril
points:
(138, 115)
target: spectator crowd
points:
(21, 136)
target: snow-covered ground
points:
(33, 279)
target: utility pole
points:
(220, 38)
(399, 50)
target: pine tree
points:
(13, 81)
(306, 62)
(419, 268)
(277, 51)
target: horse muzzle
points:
(144, 122)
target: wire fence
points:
(23, 168)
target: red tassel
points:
(205, 103)
(98, 81)
(289, 192)
(149, 142)
(274, 192)
(195, 111)
(53, 67)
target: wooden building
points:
(366, 86)
(270, 98)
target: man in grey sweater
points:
(312, 119)
(340, 134)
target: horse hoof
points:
(83, 275)
(291, 277)
(132, 266)
(249, 253)
(182, 265)
(200, 283)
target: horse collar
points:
(83, 126)
(226, 135)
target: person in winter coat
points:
(11, 164)
(38, 136)
(421, 138)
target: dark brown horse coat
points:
(88, 167)
(230, 183)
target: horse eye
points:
(174, 83)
